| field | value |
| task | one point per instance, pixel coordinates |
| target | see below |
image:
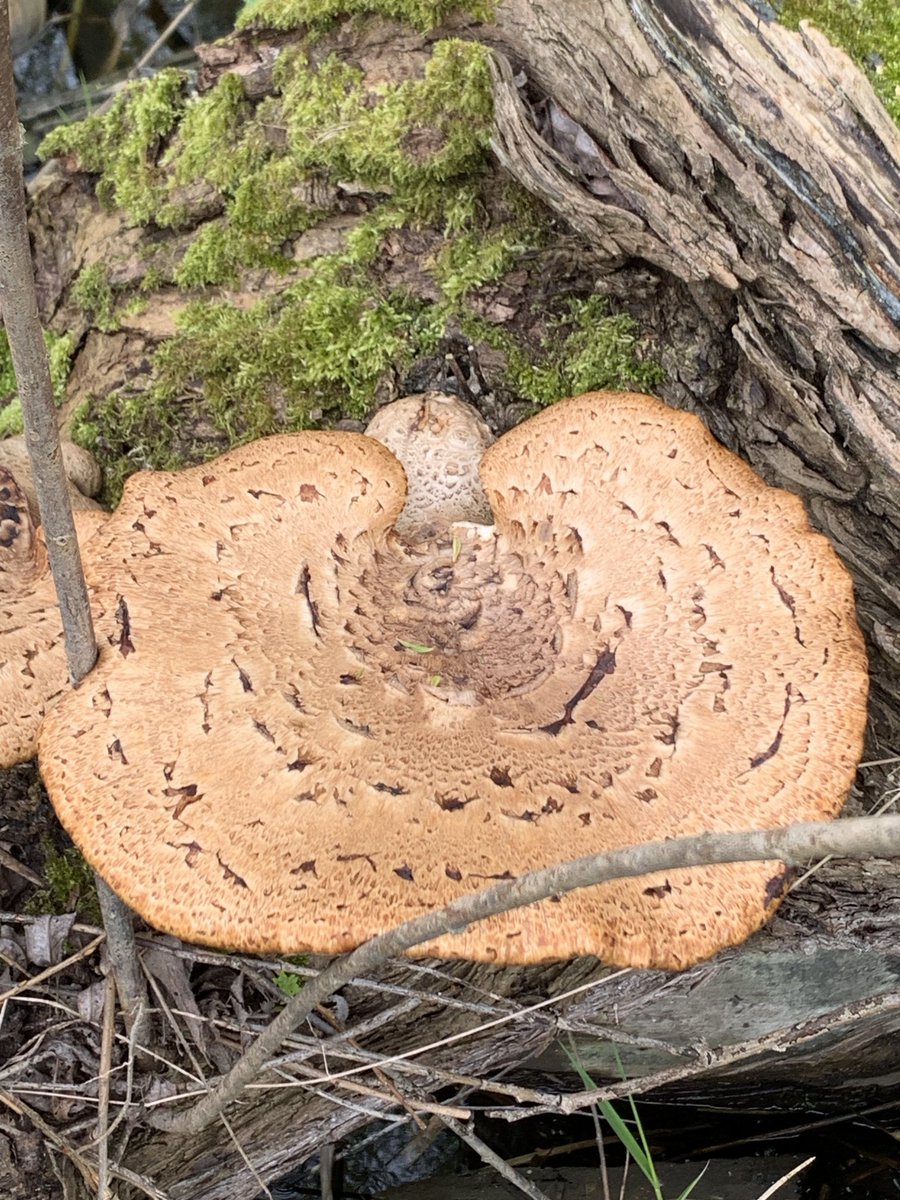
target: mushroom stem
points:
(18, 302)
(857, 837)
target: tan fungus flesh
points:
(33, 672)
(304, 730)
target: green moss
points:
(152, 279)
(321, 346)
(135, 306)
(276, 202)
(122, 145)
(411, 139)
(271, 165)
(586, 349)
(8, 384)
(93, 294)
(869, 30)
(11, 422)
(211, 142)
(324, 343)
(129, 430)
(59, 354)
(317, 15)
(216, 255)
(475, 258)
(70, 885)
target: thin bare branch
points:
(18, 304)
(491, 1159)
(122, 950)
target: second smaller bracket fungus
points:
(306, 727)
(82, 472)
(33, 671)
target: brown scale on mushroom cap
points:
(304, 729)
(33, 671)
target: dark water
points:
(857, 1153)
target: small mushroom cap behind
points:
(304, 729)
(82, 472)
(439, 439)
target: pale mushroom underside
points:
(303, 730)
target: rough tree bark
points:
(737, 192)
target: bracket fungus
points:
(305, 728)
(33, 670)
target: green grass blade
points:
(690, 1187)
(639, 1150)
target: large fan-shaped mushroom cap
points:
(304, 729)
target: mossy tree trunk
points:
(731, 185)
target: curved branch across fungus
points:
(858, 837)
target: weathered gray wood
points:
(836, 963)
(280, 1129)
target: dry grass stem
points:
(786, 1178)
(49, 972)
(412, 1104)
(261, 1183)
